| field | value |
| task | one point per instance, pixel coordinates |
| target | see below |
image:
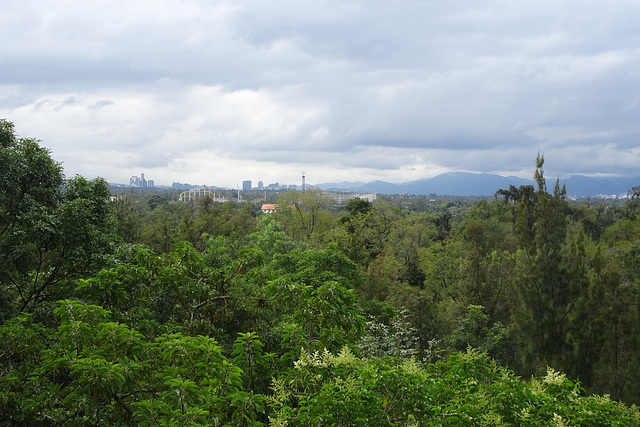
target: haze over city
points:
(217, 92)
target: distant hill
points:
(486, 184)
(464, 184)
(344, 185)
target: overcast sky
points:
(216, 92)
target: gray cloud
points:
(395, 90)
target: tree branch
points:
(128, 408)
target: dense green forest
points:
(522, 309)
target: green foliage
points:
(156, 200)
(327, 316)
(304, 215)
(101, 372)
(248, 356)
(314, 267)
(271, 239)
(52, 231)
(467, 389)
(396, 338)
(206, 313)
(546, 293)
(476, 331)
(21, 344)
(207, 218)
(128, 216)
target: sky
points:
(217, 92)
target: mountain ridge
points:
(486, 184)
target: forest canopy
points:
(134, 308)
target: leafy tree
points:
(357, 206)
(395, 337)
(205, 217)
(467, 389)
(409, 236)
(249, 356)
(424, 309)
(128, 214)
(488, 264)
(522, 200)
(156, 200)
(476, 331)
(377, 226)
(100, 372)
(316, 266)
(321, 317)
(161, 226)
(304, 215)
(441, 264)
(52, 231)
(614, 311)
(271, 239)
(633, 202)
(314, 293)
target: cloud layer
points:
(217, 92)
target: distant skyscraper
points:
(260, 185)
(246, 185)
(139, 182)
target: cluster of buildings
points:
(141, 182)
(247, 186)
(181, 186)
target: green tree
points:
(304, 215)
(99, 372)
(546, 293)
(52, 231)
(314, 292)
(128, 214)
(161, 228)
(476, 331)
(156, 200)
(614, 313)
(467, 389)
(488, 262)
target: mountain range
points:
(486, 184)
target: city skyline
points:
(140, 182)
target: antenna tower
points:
(303, 181)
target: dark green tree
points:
(547, 295)
(128, 214)
(52, 231)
